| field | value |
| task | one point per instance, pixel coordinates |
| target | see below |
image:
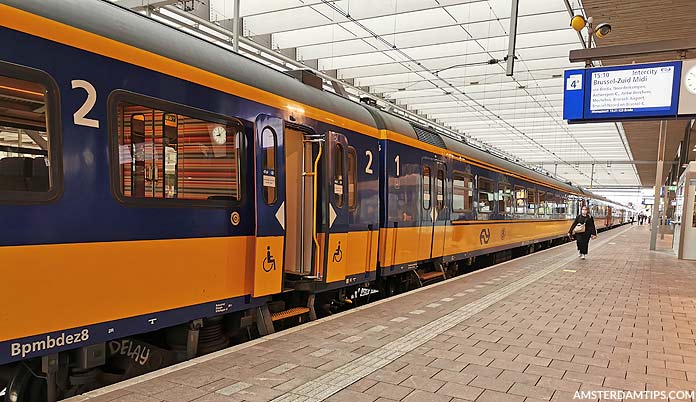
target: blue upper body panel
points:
(87, 210)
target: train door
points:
(270, 206)
(300, 203)
(441, 212)
(433, 209)
(336, 236)
(425, 224)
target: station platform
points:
(540, 327)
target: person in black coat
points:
(583, 238)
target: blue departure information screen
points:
(622, 92)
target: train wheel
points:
(26, 385)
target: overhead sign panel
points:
(622, 92)
(632, 91)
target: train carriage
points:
(153, 185)
(161, 195)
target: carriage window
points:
(440, 189)
(486, 195)
(269, 143)
(352, 179)
(168, 155)
(531, 201)
(504, 198)
(560, 205)
(462, 193)
(338, 175)
(426, 187)
(542, 203)
(25, 141)
(520, 200)
(550, 204)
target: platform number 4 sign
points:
(574, 82)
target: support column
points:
(658, 185)
(510, 68)
(592, 177)
(235, 27)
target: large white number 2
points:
(398, 169)
(79, 116)
(368, 168)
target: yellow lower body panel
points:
(53, 287)
(356, 254)
(268, 265)
(470, 237)
(398, 246)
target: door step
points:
(431, 276)
(289, 313)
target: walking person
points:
(583, 228)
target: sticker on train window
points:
(338, 188)
(269, 181)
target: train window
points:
(426, 187)
(29, 138)
(531, 201)
(338, 175)
(486, 195)
(440, 189)
(565, 203)
(269, 144)
(550, 204)
(520, 200)
(164, 152)
(560, 206)
(462, 193)
(542, 203)
(504, 198)
(352, 179)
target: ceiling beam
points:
(634, 49)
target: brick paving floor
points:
(538, 328)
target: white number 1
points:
(79, 116)
(398, 170)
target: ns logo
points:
(485, 236)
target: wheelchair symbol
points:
(338, 254)
(268, 262)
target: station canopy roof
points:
(445, 60)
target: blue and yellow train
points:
(158, 193)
